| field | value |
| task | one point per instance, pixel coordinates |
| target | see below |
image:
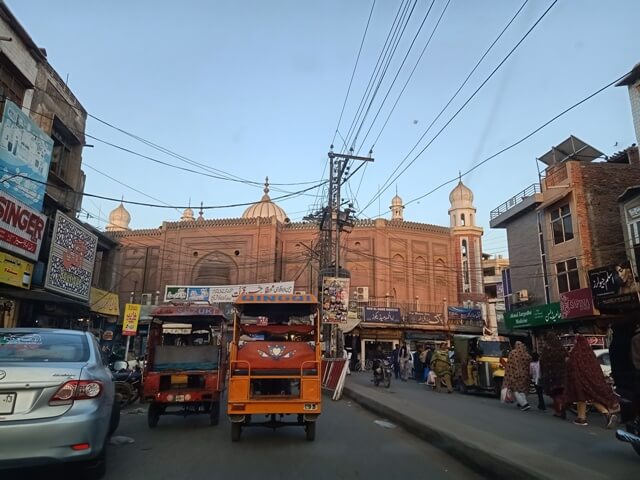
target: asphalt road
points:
(349, 445)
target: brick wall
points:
(634, 97)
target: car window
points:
(43, 347)
(604, 359)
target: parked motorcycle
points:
(128, 382)
(382, 372)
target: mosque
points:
(418, 268)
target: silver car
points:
(56, 400)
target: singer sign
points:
(21, 227)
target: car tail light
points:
(76, 390)
(81, 446)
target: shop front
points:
(380, 326)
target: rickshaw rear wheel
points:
(236, 430)
(214, 413)
(153, 415)
(310, 428)
(497, 388)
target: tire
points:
(125, 392)
(93, 469)
(310, 428)
(214, 413)
(497, 387)
(114, 421)
(236, 431)
(376, 381)
(153, 415)
(387, 381)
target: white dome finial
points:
(119, 219)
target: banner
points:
(614, 287)
(25, 155)
(21, 228)
(576, 303)
(15, 271)
(425, 318)
(131, 317)
(382, 315)
(71, 259)
(222, 293)
(335, 299)
(104, 302)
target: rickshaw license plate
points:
(179, 398)
(179, 379)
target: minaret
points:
(396, 207)
(467, 239)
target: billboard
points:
(21, 227)
(537, 316)
(614, 287)
(576, 303)
(71, 259)
(223, 293)
(25, 155)
(335, 299)
(15, 271)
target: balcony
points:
(520, 203)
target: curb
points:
(485, 461)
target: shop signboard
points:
(15, 271)
(465, 316)
(335, 299)
(131, 318)
(21, 227)
(576, 304)
(103, 302)
(71, 259)
(25, 156)
(223, 293)
(425, 318)
(538, 316)
(614, 287)
(382, 315)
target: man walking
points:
(404, 357)
(441, 365)
(396, 362)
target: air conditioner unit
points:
(522, 295)
(363, 294)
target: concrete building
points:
(419, 269)
(492, 268)
(566, 225)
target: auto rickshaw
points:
(274, 374)
(479, 362)
(186, 362)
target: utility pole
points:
(335, 220)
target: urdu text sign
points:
(131, 317)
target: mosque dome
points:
(119, 219)
(265, 208)
(187, 215)
(461, 196)
(396, 201)
(396, 208)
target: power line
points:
(486, 80)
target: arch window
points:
(462, 220)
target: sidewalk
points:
(498, 439)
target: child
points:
(534, 370)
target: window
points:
(462, 222)
(12, 83)
(40, 346)
(561, 224)
(568, 277)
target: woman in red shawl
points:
(586, 383)
(517, 375)
(553, 370)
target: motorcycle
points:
(128, 382)
(382, 372)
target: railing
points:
(515, 200)
(556, 175)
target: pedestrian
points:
(418, 363)
(553, 371)
(425, 358)
(396, 362)
(516, 375)
(534, 371)
(441, 365)
(404, 358)
(586, 384)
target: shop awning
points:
(39, 295)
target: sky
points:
(255, 89)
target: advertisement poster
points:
(335, 299)
(614, 287)
(131, 318)
(21, 227)
(104, 302)
(576, 303)
(15, 271)
(71, 259)
(25, 154)
(223, 293)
